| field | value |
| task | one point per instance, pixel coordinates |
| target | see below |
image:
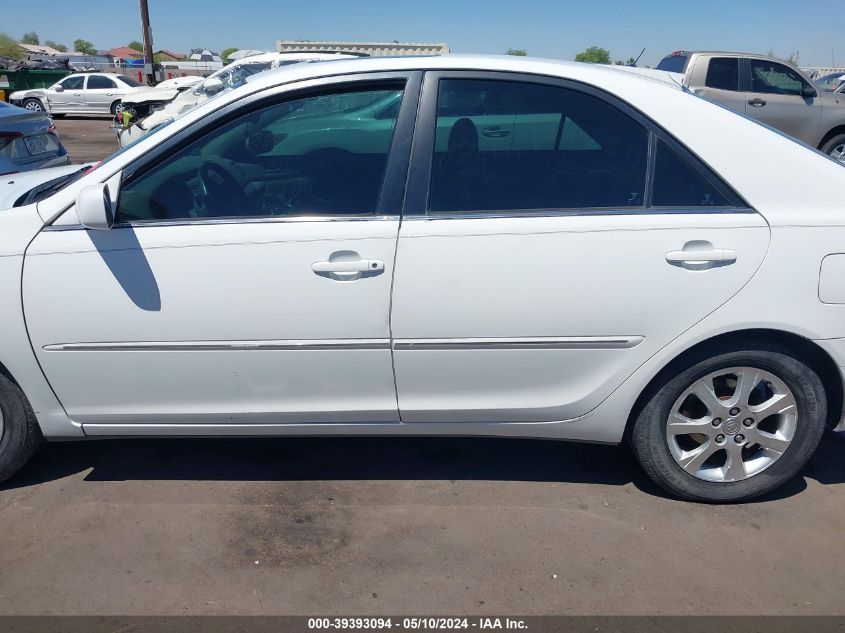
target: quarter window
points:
(323, 155)
(723, 73)
(98, 81)
(773, 78)
(678, 183)
(503, 145)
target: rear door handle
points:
(716, 255)
(757, 103)
(358, 266)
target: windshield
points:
(129, 81)
(831, 82)
(234, 76)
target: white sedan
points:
(435, 246)
(81, 93)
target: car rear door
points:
(100, 93)
(531, 282)
(718, 78)
(246, 282)
(776, 97)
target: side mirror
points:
(58, 88)
(809, 92)
(212, 85)
(93, 206)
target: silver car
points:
(80, 93)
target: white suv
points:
(80, 93)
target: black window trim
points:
(389, 206)
(419, 173)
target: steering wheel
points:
(224, 189)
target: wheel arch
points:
(114, 104)
(801, 347)
(839, 129)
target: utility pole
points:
(149, 69)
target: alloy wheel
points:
(33, 105)
(838, 153)
(732, 424)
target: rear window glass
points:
(129, 81)
(673, 63)
(723, 73)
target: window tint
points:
(503, 145)
(673, 63)
(98, 81)
(315, 155)
(723, 73)
(72, 83)
(677, 183)
(129, 81)
(773, 78)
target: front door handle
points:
(712, 256)
(341, 267)
(757, 103)
(491, 132)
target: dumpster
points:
(25, 79)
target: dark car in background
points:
(28, 140)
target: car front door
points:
(246, 280)
(531, 282)
(776, 98)
(100, 93)
(70, 98)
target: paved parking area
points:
(410, 526)
(87, 138)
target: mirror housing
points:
(808, 92)
(58, 88)
(94, 208)
(212, 86)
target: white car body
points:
(181, 101)
(546, 325)
(15, 185)
(78, 97)
(165, 90)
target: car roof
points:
(505, 63)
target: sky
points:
(545, 28)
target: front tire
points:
(835, 148)
(19, 432)
(33, 105)
(117, 108)
(731, 426)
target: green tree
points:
(84, 46)
(9, 47)
(136, 46)
(226, 52)
(59, 47)
(594, 55)
(30, 38)
(519, 52)
(629, 62)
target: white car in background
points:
(455, 245)
(158, 105)
(80, 93)
(139, 105)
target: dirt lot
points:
(411, 526)
(87, 138)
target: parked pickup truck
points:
(769, 90)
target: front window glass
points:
(773, 78)
(503, 145)
(310, 156)
(73, 83)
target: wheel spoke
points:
(693, 460)
(779, 403)
(769, 440)
(746, 380)
(734, 468)
(682, 425)
(708, 397)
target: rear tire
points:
(835, 148)
(33, 105)
(19, 432)
(722, 434)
